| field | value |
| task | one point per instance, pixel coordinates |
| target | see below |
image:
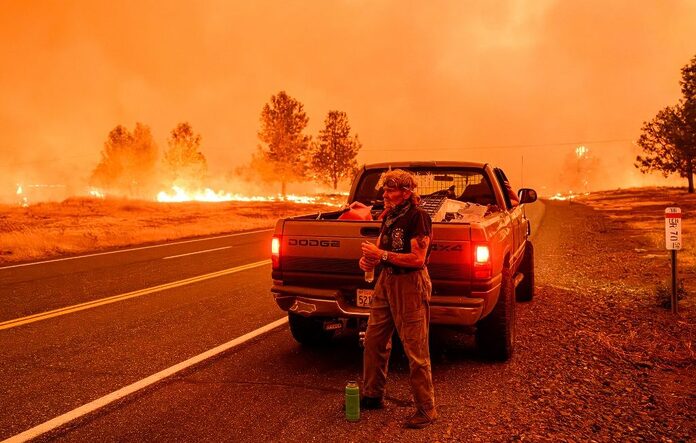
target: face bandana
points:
(396, 212)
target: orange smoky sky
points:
(517, 83)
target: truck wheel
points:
(495, 334)
(525, 290)
(308, 331)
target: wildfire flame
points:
(23, 200)
(562, 197)
(569, 196)
(581, 151)
(98, 193)
(179, 194)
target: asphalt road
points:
(54, 365)
(267, 389)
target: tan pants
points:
(401, 301)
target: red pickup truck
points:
(481, 259)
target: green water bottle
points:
(352, 401)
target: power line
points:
(471, 148)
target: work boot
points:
(420, 419)
(371, 403)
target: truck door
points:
(515, 212)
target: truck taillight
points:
(275, 252)
(482, 262)
(483, 255)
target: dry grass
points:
(79, 225)
(642, 211)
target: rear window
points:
(467, 185)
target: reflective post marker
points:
(673, 241)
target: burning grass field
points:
(79, 225)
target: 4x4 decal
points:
(446, 248)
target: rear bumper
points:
(444, 309)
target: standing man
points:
(401, 298)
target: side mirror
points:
(527, 195)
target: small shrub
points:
(663, 293)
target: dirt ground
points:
(607, 363)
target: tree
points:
(688, 81)
(334, 156)
(665, 144)
(109, 171)
(128, 161)
(286, 150)
(668, 141)
(144, 159)
(184, 162)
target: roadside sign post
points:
(674, 282)
(673, 242)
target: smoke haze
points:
(520, 84)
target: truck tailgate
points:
(325, 246)
(333, 247)
(450, 254)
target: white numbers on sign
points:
(673, 235)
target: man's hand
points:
(366, 265)
(371, 252)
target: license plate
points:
(364, 297)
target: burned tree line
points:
(668, 141)
(130, 163)
(288, 155)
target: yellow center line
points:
(116, 298)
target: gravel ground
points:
(596, 358)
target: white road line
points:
(127, 390)
(134, 249)
(197, 252)
(116, 298)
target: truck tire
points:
(525, 290)
(308, 331)
(495, 334)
